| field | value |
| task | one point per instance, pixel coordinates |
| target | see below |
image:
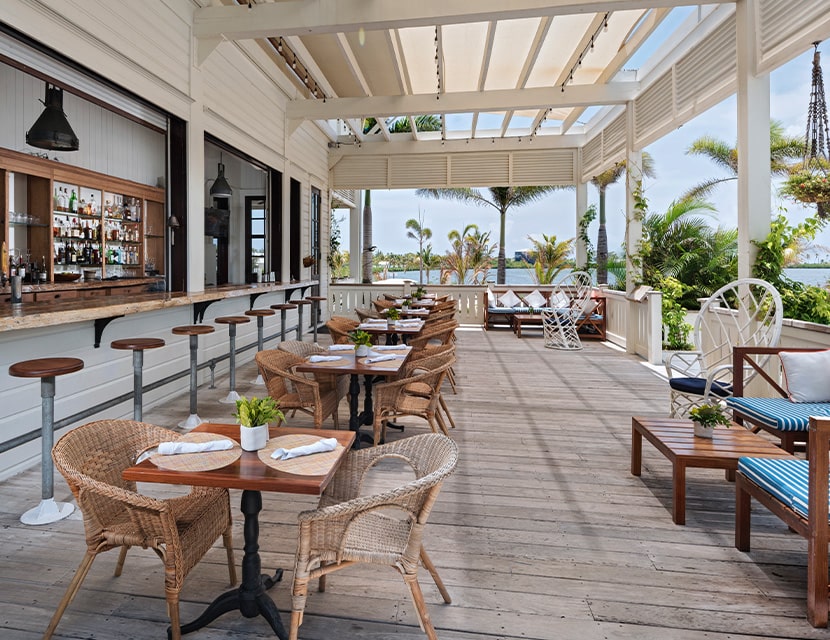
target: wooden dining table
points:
(253, 476)
(353, 366)
(393, 330)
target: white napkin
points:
(389, 347)
(375, 321)
(420, 312)
(407, 325)
(324, 358)
(388, 356)
(341, 347)
(322, 445)
(172, 448)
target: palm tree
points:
(399, 125)
(550, 257)
(429, 260)
(417, 231)
(602, 182)
(470, 250)
(783, 148)
(501, 199)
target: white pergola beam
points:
(465, 101)
(306, 17)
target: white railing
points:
(642, 317)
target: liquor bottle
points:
(43, 273)
(72, 200)
(93, 206)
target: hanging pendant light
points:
(51, 130)
(221, 188)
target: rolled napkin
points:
(375, 321)
(322, 445)
(341, 347)
(388, 356)
(403, 324)
(324, 358)
(172, 448)
(389, 347)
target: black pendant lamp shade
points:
(51, 130)
(221, 188)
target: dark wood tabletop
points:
(351, 364)
(248, 472)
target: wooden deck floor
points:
(542, 532)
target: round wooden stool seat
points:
(137, 344)
(45, 367)
(284, 306)
(232, 320)
(302, 301)
(315, 298)
(260, 312)
(193, 330)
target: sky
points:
(675, 173)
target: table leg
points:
(636, 452)
(679, 492)
(250, 598)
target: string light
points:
(602, 28)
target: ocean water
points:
(818, 277)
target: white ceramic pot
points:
(253, 438)
(702, 431)
(362, 350)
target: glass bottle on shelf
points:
(72, 200)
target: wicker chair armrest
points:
(399, 497)
(307, 389)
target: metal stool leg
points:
(299, 322)
(260, 344)
(193, 420)
(315, 317)
(48, 510)
(282, 319)
(138, 365)
(232, 396)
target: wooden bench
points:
(811, 523)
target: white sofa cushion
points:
(509, 299)
(807, 375)
(535, 299)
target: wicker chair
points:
(560, 324)
(364, 313)
(339, 328)
(380, 304)
(293, 391)
(392, 399)
(441, 333)
(430, 350)
(305, 349)
(347, 527)
(180, 530)
(434, 358)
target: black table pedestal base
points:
(250, 599)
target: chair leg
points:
(122, 556)
(434, 573)
(420, 606)
(451, 378)
(227, 541)
(435, 420)
(173, 614)
(446, 410)
(71, 591)
(335, 419)
(299, 593)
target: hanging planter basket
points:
(808, 186)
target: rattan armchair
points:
(305, 349)
(179, 530)
(434, 359)
(293, 391)
(385, 528)
(339, 328)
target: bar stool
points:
(137, 346)
(300, 304)
(315, 312)
(282, 308)
(194, 331)
(232, 321)
(260, 315)
(46, 369)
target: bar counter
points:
(29, 315)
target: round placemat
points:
(317, 464)
(198, 461)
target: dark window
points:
(316, 204)
(295, 230)
(255, 219)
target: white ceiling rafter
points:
(484, 69)
(465, 101)
(399, 66)
(352, 64)
(530, 61)
(332, 16)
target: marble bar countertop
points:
(84, 284)
(30, 315)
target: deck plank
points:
(541, 533)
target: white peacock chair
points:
(569, 301)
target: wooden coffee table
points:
(675, 439)
(531, 319)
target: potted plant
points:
(706, 417)
(308, 261)
(362, 341)
(392, 315)
(810, 184)
(420, 292)
(254, 415)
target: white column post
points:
(195, 237)
(754, 180)
(633, 228)
(355, 238)
(580, 248)
(285, 250)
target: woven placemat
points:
(332, 363)
(198, 461)
(385, 364)
(316, 464)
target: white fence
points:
(623, 315)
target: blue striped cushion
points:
(780, 413)
(787, 480)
